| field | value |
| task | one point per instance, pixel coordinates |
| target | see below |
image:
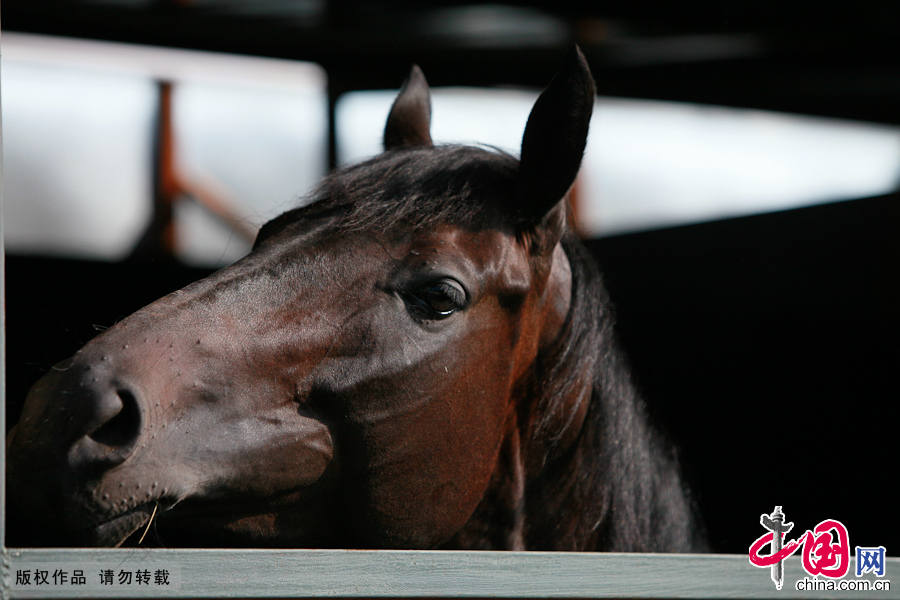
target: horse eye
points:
(436, 300)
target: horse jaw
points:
(158, 410)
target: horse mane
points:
(617, 487)
(417, 187)
(621, 476)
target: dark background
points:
(767, 346)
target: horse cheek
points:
(431, 473)
(424, 449)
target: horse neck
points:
(579, 467)
(560, 496)
(594, 474)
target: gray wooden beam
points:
(403, 574)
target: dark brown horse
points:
(422, 357)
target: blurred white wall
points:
(76, 152)
(654, 164)
(78, 123)
(78, 135)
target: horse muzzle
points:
(102, 445)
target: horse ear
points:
(553, 143)
(409, 122)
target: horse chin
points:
(115, 532)
(123, 529)
(292, 521)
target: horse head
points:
(392, 365)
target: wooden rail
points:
(404, 574)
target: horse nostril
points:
(123, 427)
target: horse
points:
(422, 357)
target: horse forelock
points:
(419, 187)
